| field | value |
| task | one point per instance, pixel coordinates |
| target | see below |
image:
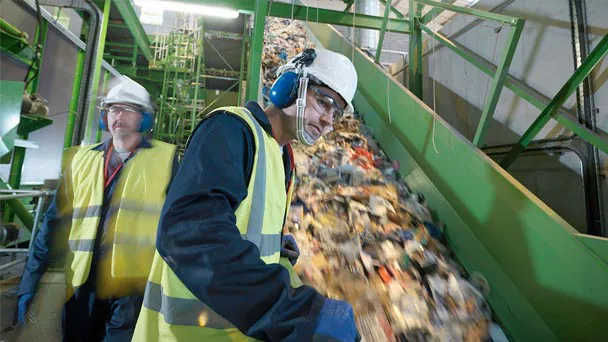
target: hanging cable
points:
(434, 94)
(36, 59)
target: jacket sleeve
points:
(50, 243)
(200, 242)
(40, 251)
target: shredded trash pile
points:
(283, 39)
(367, 238)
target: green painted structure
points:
(547, 281)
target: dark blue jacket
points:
(199, 239)
(51, 234)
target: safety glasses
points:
(125, 109)
(328, 103)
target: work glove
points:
(289, 249)
(22, 305)
(336, 323)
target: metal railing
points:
(6, 195)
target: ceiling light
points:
(177, 6)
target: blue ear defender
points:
(284, 90)
(147, 121)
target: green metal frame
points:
(505, 19)
(562, 95)
(526, 92)
(72, 114)
(393, 9)
(284, 10)
(90, 122)
(14, 43)
(498, 82)
(545, 284)
(106, 78)
(134, 25)
(244, 42)
(255, 53)
(387, 11)
(499, 77)
(415, 50)
(33, 75)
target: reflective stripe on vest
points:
(168, 304)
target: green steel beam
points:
(32, 77)
(475, 12)
(106, 78)
(125, 45)
(242, 67)
(545, 284)
(430, 15)
(562, 95)
(12, 30)
(88, 134)
(497, 82)
(134, 57)
(326, 16)
(313, 14)
(349, 5)
(415, 50)
(524, 91)
(132, 21)
(19, 209)
(387, 11)
(69, 128)
(257, 45)
(434, 12)
(394, 10)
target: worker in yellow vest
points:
(216, 274)
(107, 208)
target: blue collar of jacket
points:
(260, 116)
(144, 143)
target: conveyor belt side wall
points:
(546, 284)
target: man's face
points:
(323, 107)
(123, 119)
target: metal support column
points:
(257, 45)
(564, 93)
(32, 78)
(106, 78)
(415, 50)
(90, 112)
(497, 82)
(69, 128)
(387, 12)
(242, 68)
(587, 116)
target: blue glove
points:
(336, 322)
(289, 249)
(23, 303)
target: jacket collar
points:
(144, 143)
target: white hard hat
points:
(129, 91)
(334, 70)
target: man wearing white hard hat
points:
(219, 273)
(103, 220)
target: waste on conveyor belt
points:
(367, 238)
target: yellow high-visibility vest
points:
(170, 311)
(130, 237)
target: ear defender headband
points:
(292, 86)
(147, 120)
